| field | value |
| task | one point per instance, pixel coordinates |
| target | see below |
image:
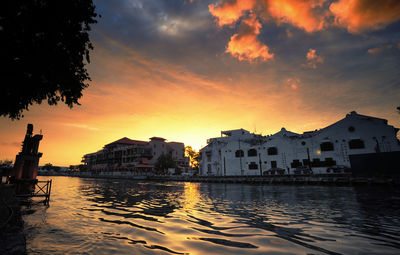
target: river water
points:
(99, 216)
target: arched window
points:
(356, 144)
(326, 146)
(272, 151)
(209, 168)
(208, 154)
(239, 154)
(252, 153)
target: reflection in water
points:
(97, 216)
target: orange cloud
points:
(313, 59)
(293, 82)
(299, 13)
(379, 49)
(360, 15)
(229, 12)
(313, 15)
(245, 46)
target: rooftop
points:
(157, 138)
(127, 141)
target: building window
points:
(296, 163)
(209, 169)
(208, 155)
(253, 166)
(239, 154)
(356, 144)
(316, 162)
(351, 129)
(273, 164)
(326, 146)
(252, 153)
(303, 143)
(329, 162)
(272, 151)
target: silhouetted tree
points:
(48, 166)
(43, 45)
(6, 162)
(164, 162)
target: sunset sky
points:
(185, 70)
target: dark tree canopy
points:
(164, 162)
(44, 45)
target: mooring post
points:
(50, 189)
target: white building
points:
(241, 153)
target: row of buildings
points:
(333, 149)
(356, 141)
(137, 157)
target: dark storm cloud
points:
(173, 30)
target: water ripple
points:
(131, 224)
(99, 216)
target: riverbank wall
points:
(341, 180)
(322, 179)
(12, 237)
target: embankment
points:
(12, 238)
(313, 179)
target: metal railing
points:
(41, 189)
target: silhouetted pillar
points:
(26, 162)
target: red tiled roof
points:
(126, 140)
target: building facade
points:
(328, 150)
(136, 156)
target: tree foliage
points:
(44, 45)
(193, 156)
(50, 166)
(164, 162)
(6, 162)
